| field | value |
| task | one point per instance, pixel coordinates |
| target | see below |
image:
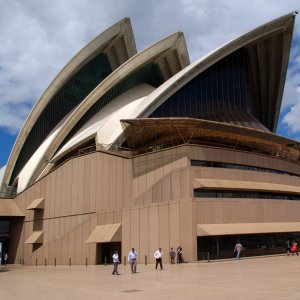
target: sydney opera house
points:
(148, 150)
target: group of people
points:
(132, 259)
(172, 255)
(291, 247)
(158, 254)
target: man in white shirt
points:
(132, 256)
(158, 256)
(116, 262)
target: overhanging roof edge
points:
(181, 78)
(41, 103)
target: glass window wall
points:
(221, 247)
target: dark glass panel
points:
(220, 247)
(214, 164)
(200, 193)
(220, 93)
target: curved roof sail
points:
(239, 85)
(264, 53)
(86, 70)
(151, 67)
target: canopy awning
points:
(244, 185)
(246, 228)
(147, 134)
(35, 238)
(38, 203)
(106, 233)
(9, 208)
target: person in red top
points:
(294, 248)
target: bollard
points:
(124, 261)
(36, 262)
(54, 262)
(208, 256)
(105, 260)
(45, 262)
(86, 261)
(145, 260)
(70, 262)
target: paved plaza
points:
(254, 278)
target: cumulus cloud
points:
(291, 99)
(2, 169)
(291, 119)
(38, 39)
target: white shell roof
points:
(39, 165)
(163, 92)
(140, 101)
(98, 44)
(105, 125)
(130, 66)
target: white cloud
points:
(291, 98)
(38, 39)
(2, 169)
(291, 119)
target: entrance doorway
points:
(4, 237)
(105, 252)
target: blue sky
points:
(37, 40)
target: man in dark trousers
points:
(116, 262)
(158, 256)
(179, 255)
(172, 255)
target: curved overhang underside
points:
(171, 56)
(268, 48)
(144, 135)
(117, 43)
(105, 126)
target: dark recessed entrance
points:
(220, 247)
(4, 237)
(106, 250)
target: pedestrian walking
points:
(132, 259)
(158, 256)
(238, 248)
(294, 248)
(116, 262)
(288, 245)
(5, 258)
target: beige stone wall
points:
(246, 211)
(151, 195)
(156, 225)
(218, 211)
(73, 193)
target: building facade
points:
(148, 150)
